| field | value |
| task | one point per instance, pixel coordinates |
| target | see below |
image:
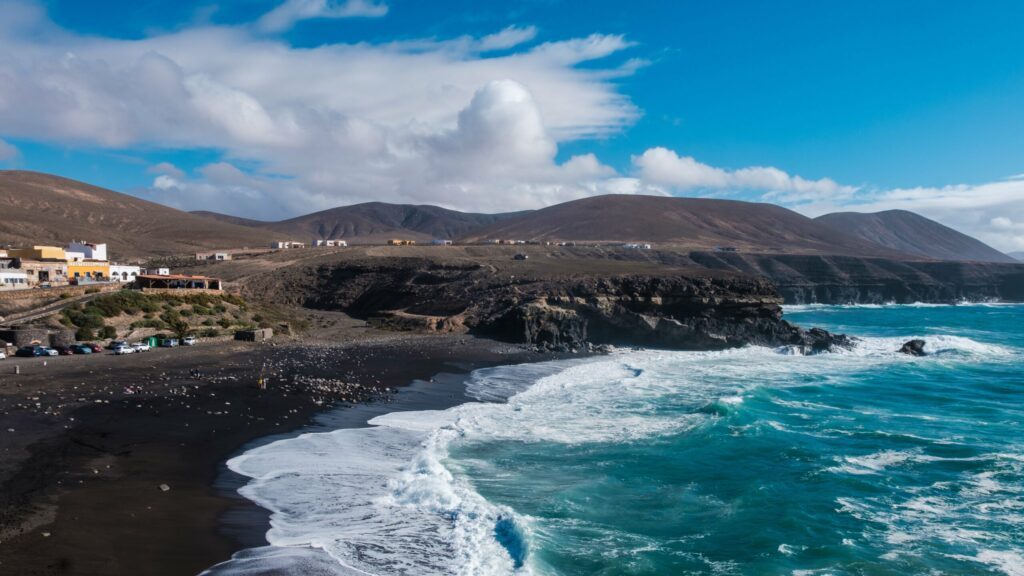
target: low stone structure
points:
(258, 335)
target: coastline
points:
(84, 469)
(247, 522)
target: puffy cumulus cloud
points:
(289, 13)
(498, 156)
(420, 120)
(665, 167)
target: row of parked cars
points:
(119, 347)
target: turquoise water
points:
(752, 462)
(749, 461)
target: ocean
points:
(747, 461)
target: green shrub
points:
(210, 333)
(64, 296)
(92, 290)
(209, 322)
(225, 322)
(83, 334)
(108, 332)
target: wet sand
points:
(88, 444)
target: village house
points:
(215, 256)
(89, 250)
(401, 242)
(121, 273)
(441, 242)
(155, 272)
(88, 271)
(636, 246)
(330, 243)
(41, 264)
(172, 282)
(11, 278)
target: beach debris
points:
(913, 347)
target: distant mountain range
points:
(372, 222)
(40, 208)
(914, 234)
(697, 223)
(1017, 255)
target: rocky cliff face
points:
(693, 311)
(803, 279)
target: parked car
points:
(121, 350)
(81, 349)
(169, 342)
(3, 356)
(47, 351)
(520, 257)
(63, 350)
(189, 341)
(95, 347)
(115, 344)
(30, 352)
(141, 347)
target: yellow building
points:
(91, 270)
(38, 253)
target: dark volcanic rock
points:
(913, 348)
(696, 310)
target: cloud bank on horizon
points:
(472, 123)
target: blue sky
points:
(815, 105)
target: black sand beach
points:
(114, 465)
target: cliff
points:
(685, 310)
(802, 279)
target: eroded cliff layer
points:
(678, 309)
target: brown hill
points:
(40, 208)
(914, 234)
(373, 222)
(696, 223)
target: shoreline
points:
(94, 442)
(247, 522)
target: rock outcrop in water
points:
(913, 348)
(698, 310)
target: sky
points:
(275, 108)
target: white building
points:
(88, 250)
(441, 242)
(330, 243)
(156, 272)
(637, 246)
(13, 279)
(119, 273)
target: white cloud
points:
(992, 212)
(290, 12)
(166, 169)
(7, 151)
(508, 38)
(468, 123)
(665, 167)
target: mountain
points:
(373, 222)
(694, 223)
(1017, 256)
(914, 234)
(40, 208)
